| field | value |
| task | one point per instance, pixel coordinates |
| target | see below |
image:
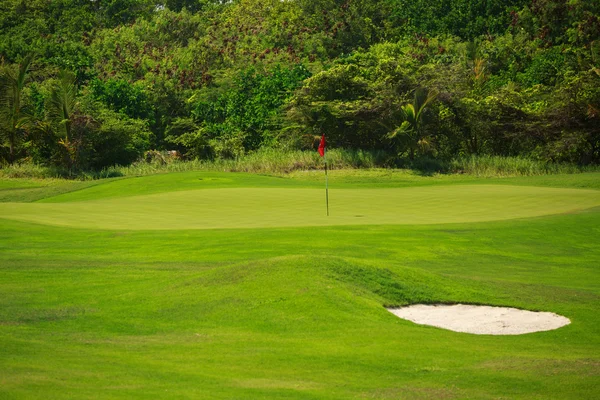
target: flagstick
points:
(326, 181)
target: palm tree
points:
(12, 112)
(63, 97)
(61, 106)
(412, 128)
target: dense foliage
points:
(89, 84)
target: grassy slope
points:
(294, 312)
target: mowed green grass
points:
(215, 201)
(187, 304)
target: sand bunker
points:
(481, 320)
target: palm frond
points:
(408, 113)
(12, 82)
(63, 99)
(8, 89)
(12, 116)
(24, 69)
(423, 98)
(399, 131)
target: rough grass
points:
(493, 166)
(274, 161)
(261, 161)
(294, 312)
(267, 161)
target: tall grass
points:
(265, 161)
(37, 171)
(281, 162)
(30, 170)
(497, 166)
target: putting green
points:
(286, 207)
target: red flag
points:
(322, 146)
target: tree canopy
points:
(87, 84)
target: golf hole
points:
(481, 320)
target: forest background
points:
(87, 84)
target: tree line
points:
(89, 84)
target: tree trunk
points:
(11, 145)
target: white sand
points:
(481, 320)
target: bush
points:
(118, 140)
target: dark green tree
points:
(15, 118)
(411, 133)
(61, 109)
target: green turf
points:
(297, 312)
(234, 208)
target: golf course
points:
(220, 285)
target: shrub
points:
(118, 140)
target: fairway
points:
(289, 207)
(237, 286)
